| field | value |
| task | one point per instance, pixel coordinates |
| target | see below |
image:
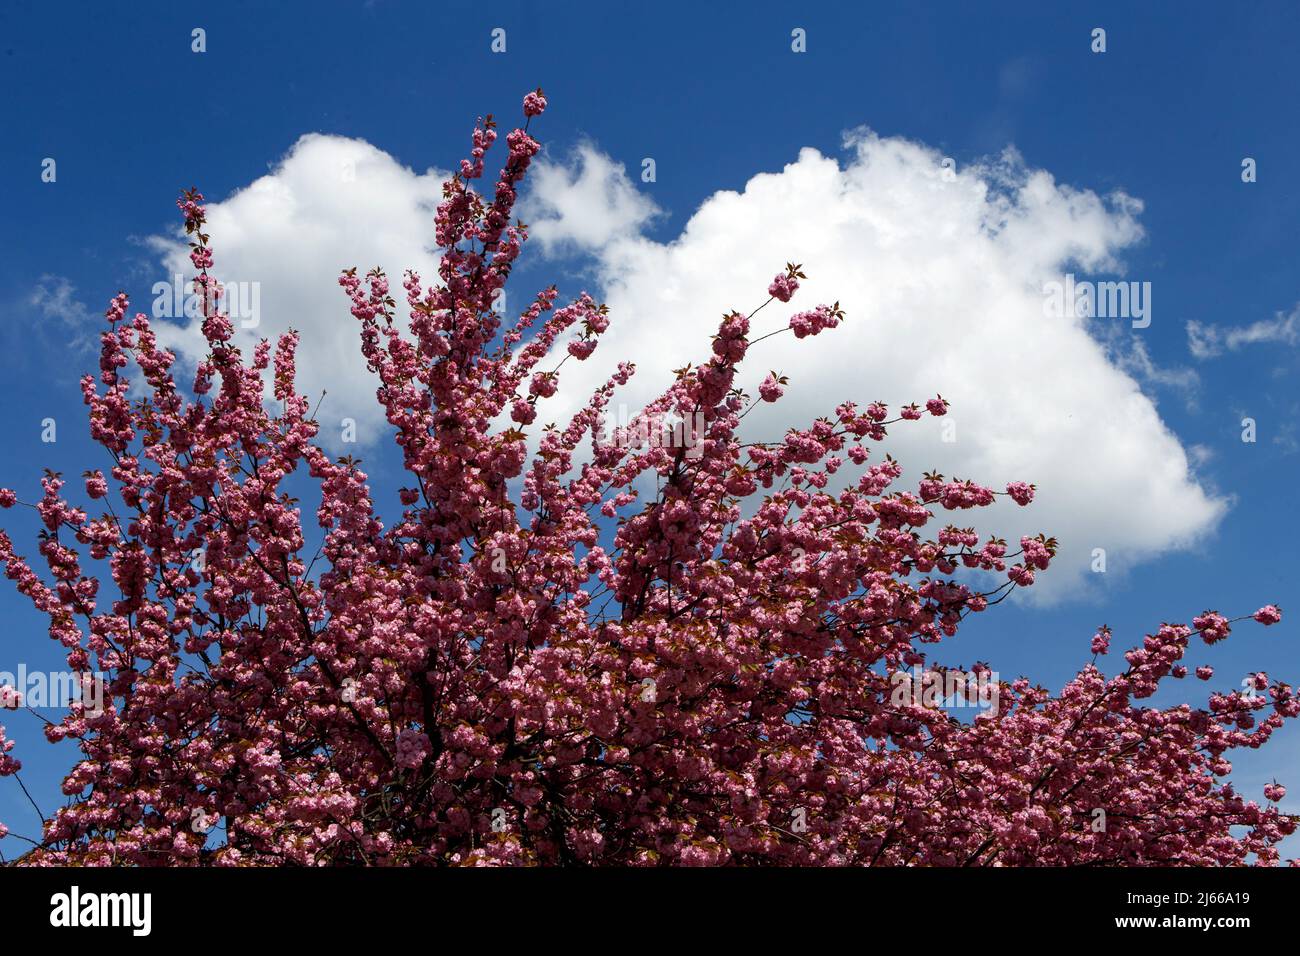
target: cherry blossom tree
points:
(571, 644)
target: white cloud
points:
(55, 298)
(331, 203)
(1200, 455)
(942, 282)
(586, 204)
(1132, 357)
(1208, 341)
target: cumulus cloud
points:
(942, 278)
(329, 204)
(1208, 341)
(584, 204)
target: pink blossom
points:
(1212, 625)
(783, 287)
(96, 484)
(809, 323)
(413, 748)
(534, 103)
(771, 388)
(1020, 492)
(1268, 614)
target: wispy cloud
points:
(54, 298)
(1208, 341)
(1130, 353)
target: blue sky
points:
(1182, 94)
